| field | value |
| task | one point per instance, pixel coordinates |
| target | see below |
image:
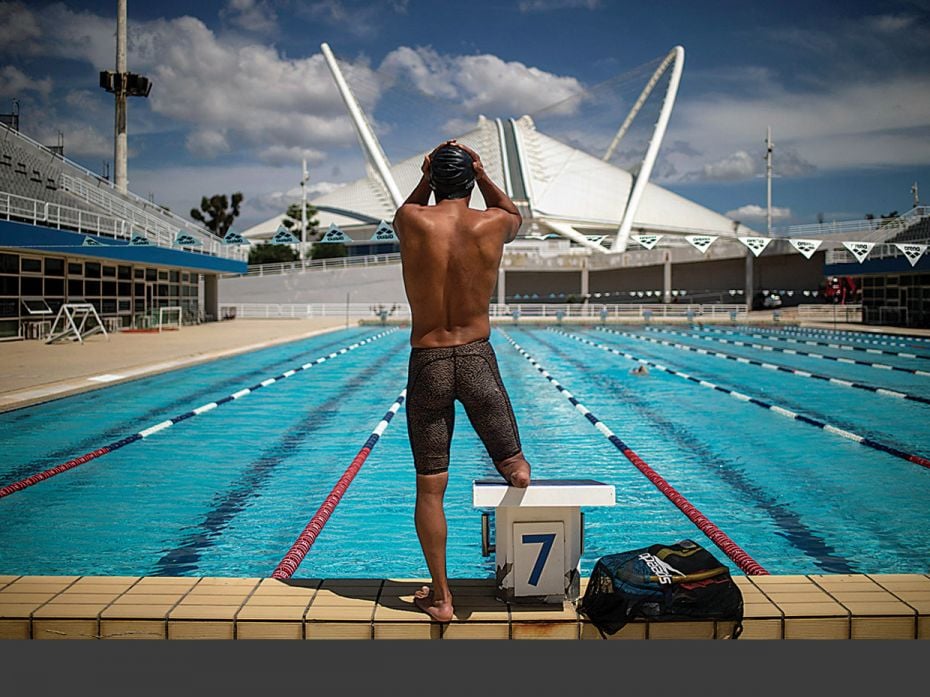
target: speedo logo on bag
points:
(663, 571)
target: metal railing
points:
(164, 234)
(313, 264)
(507, 311)
(21, 208)
(830, 313)
(877, 229)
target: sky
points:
(241, 93)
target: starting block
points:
(538, 535)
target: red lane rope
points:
(739, 556)
(289, 563)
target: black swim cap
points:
(451, 173)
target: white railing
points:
(133, 205)
(877, 229)
(13, 207)
(830, 313)
(310, 264)
(164, 234)
(508, 311)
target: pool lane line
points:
(862, 440)
(27, 468)
(853, 335)
(185, 556)
(789, 524)
(151, 430)
(774, 366)
(841, 347)
(704, 524)
(763, 347)
(823, 335)
(295, 555)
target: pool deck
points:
(892, 606)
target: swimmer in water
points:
(640, 370)
(450, 254)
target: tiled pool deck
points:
(109, 607)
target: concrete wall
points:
(383, 284)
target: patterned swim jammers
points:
(469, 373)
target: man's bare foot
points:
(515, 471)
(441, 611)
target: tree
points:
(217, 207)
(330, 250)
(292, 221)
(267, 253)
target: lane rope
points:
(712, 531)
(161, 426)
(295, 555)
(862, 440)
(854, 335)
(774, 366)
(841, 347)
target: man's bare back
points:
(451, 254)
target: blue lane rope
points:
(841, 347)
(151, 430)
(774, 366)
(782, 411)
(854, 335)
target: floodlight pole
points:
(119, 144)
(303, 211)
(769, 146)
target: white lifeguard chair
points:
(538, 535)
(75, 322)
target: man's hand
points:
(476, 165)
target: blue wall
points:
(25, 237)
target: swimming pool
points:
(226, 491)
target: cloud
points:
(753, 212)
(13, 82)
(358, 17)
(481, 83)
(528, 6)
(207, 143)
(256, 16)
(280, 155)
(18, 26)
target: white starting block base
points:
(539, 535)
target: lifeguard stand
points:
(538, 535)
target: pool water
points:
(227, 492)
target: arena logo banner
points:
(701, 242)
(139, 240)
(284, 236)
(185, 239)
(234, 238)
(647, 241)
(384, 233)
(913, 252)
(860, 250)
(806, 247)
(91, 242)
(756, 244)
(334, 235)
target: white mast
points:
(369, 142)
(119, 135)
(303, 209)
(675, 58)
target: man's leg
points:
(430, 519)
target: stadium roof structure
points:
(558, 188)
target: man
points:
(450, 255)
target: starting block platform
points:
(538, 534)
